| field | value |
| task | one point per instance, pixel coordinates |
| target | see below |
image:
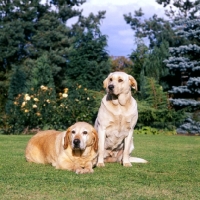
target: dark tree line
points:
(172, 57)
(34, 34)
(39, 54)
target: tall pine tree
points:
(88, 60)
(184, 64)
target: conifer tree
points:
(184, 64)
(88, 60)
(28, 29)
(18, 85)
(41, 74)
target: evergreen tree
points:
(28, 29)
(88, 60)
(154, 67)
(18, 85)
(138, 57)
(156, 29)
(178, 9)
(41, 74)
(184, 63)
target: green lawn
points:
(173, 172)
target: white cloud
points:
(120, 35)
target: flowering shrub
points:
(41, 110)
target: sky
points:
(120, 35)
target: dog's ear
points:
(96, 140)
(133, 82)
(66, 138)
(105, 82)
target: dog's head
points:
(81, 135)
(118, 85)
(119, 82)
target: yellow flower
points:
(65, 95)
(38, 114)
(26, 111)
(60, 94)
(27, 97)
(88, 98)
(48, 101)
(61, 105)
(34, 106)
(15, 103)
(23, 104)
(43, 87)
(66, 90)
(79, 86)
(36, 99)
(85, 89)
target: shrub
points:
(147, 130)
(162, 118)
(41, 111)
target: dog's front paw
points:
(84, 171)
(127, 164)
(79, 171)
(88, 170)
(100, 165)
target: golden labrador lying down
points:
(74, 149)
(116, 120)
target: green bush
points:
(147, 130)
(39, 110)
(159, 118)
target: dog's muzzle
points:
(76, 143)
(111, 87)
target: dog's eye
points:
(73, 132)
(85, 132)
(110, 79)
(120, 80)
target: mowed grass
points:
(173, 172)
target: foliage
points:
(28, 29)
(156, 29)
(120, 63)
(189, 127)
(40, 110)
(162, 118)
(184, 61)
(154, 108)
(153, 93)
(88, 60)
(138, 57)
(180, 8)
(31, 29)
(147, 130)
(172, 173)
(30, 76)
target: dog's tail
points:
(137, 160)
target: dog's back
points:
(41, 147)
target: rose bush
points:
(40, 110)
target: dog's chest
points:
(117, 130)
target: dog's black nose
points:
(76, 142)
(110, 87)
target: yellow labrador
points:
(74, 149)
(116, 120)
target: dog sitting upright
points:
(116, 120)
